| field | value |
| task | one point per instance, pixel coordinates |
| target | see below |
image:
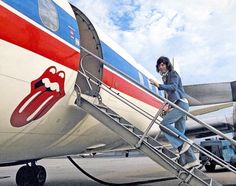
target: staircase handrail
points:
(212, 129)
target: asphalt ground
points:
(60, 172)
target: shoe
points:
(186, 146)
(192, 164)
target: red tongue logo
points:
(45, 92)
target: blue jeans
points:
(178, 119)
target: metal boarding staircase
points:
(149, 146)
(140, 140)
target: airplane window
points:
(154, 89)
(150, 85)
(141, 78)
(48, 14)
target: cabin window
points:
(48, 14)
(146, 82)
(154, 88)
(150, 86)
(141, 78)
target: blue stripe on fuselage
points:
(30, 9)
(115, 60)
(118, 62)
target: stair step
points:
(138, 132)
(145, 138)
(204, 177)
(127, 125)
(154, 143)
(159, 147)
(102, 107)
(115, 116)
(169, 153)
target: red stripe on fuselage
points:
(124, 86)
(18, 31)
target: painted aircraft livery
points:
(40, 60)
(45, 92)
(44, 57)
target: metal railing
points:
(82, 68)
(154, 119)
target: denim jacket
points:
(173, 87)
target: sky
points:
(199, 34)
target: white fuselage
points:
(38, 114)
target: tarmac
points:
(60, 172)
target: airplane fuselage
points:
(40, 58)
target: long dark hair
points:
(166, 61)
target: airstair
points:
(145, 143)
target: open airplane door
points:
(88, 64)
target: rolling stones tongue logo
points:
(45, 92)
